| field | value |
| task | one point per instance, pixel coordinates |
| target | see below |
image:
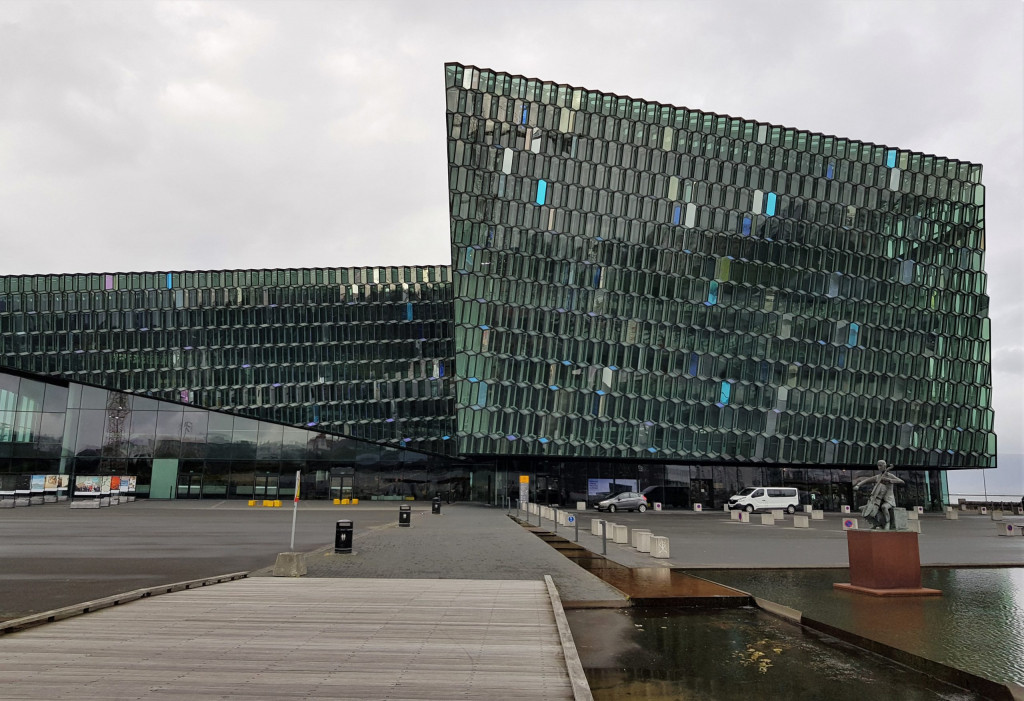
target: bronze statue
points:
(882, 500)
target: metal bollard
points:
(604, 537)
(576, 537)
(405, 516)
(435, 505)
(556, 520)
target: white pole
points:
(295, 509)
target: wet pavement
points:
(649, 586)
(736, 654)
(977, 625)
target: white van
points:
(766, 498)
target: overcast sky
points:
(204, 135)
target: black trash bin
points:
(405, 515)
(435, 508)
(343, 536)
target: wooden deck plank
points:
(301, 638)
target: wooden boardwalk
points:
(281, 638)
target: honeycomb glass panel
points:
(751, 271)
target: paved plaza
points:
(54, 556)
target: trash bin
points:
(405, 515)
(343, 536)
(435, 508)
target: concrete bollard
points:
(636, 535)
(846, 508)
(913, 515)
(817, 515)
(643, 541)
(952, 515)
(919, 509)
(997, 514)
(698, 507)
(849, 524)
(595, 526)
(735, 515)
(777, 514)
(290, 565)
(743, 517)
(914, 526)
(984, 510)
(659, 546)
(725, 508)
(808, 508)
(767, 520)
(657, 506)
(620, 534)
(581, 506)
(801, 521)
(1006, 529)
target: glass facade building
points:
(635, 280)
(50, 426)
(641, 295)
(366, 352)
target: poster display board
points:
(7, 491)
(87, 485)
(50, 484)
(22, 489)
(128, 487)
(105, 490)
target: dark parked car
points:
(626, 501)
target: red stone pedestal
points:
(885, 563)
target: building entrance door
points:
(190, 485)
(341, 487)
(702, 491)
(265, 486)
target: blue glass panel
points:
(675, 214)
(482, 396)
(746, 226)
(713, 292)
(723, 397)
(542, 191)
(597, 277)
(694, 359)
(526, 114)
(890, 159)
(169, 281)
(854, 329)
(831, 171)
(769, 208)
(408, 311)
(440, 369)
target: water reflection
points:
(977, 625)
(669, 653)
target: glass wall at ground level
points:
(681, 486)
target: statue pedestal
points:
(885, 563)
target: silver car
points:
(626, 501)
